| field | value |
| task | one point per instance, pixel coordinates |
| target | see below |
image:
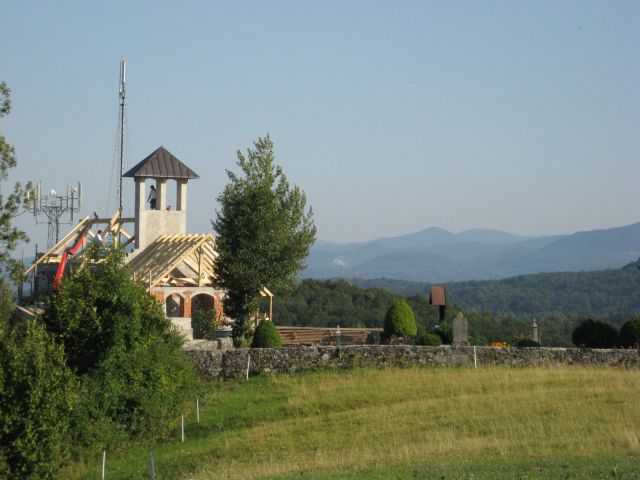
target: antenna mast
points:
(55, 206)
(123, 81)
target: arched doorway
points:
(203, 315)
(174, 305)
(202, 301)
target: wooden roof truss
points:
(176, 260)
(112, 229)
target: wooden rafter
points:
(156, 262)
(114, 227)
(54, 253)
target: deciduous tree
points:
(595, 334)
(35, 384)
(264, 233)
(36, 389)
(122, 346)
(630, 333)
(10, 204)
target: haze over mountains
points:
(437, 255)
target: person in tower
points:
(152, 198)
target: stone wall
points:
(212, 364)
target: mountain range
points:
(437, 255)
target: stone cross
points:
(460, 331)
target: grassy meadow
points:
(568, 422)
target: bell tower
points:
(160, 166)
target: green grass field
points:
(446, 423)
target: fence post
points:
(104, 462)
(153, 467)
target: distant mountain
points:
(437, 255)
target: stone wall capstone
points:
(214, 364)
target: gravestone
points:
(536, 334)
(460, 331)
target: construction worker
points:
(152, 198)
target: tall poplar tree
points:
(264, 232)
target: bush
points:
(266, 336)
(37, 391)
(445, 332)
(127, 354)
(373, 338)
(630, 333)
(595, 334)
(203, 323)
(427, 338)
(139, 391)
(242, 331)
(400, 320)
(526, 342)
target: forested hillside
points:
(320, 303)
(601, 294)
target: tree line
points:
(612, 293)
(329, 303)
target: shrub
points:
(373, 338)
(630, 333)
(126, 352)
(526, 342)
(242, 331)
(427, 338)
(37, 395)
(266, 336)
(400, 320)
(139, 390)
(203, 323)
(595, 334)
(445, 332)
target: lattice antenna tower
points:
(121, 94)
(57, 208)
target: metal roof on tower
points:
(161, 164)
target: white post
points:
(248, 361)
(475, 358)
(181, 194)
(153, 467)
(198, 409)
(182, 428)
(104, 462)
(161, 194)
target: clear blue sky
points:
(392, 116)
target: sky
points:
(392, 116)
